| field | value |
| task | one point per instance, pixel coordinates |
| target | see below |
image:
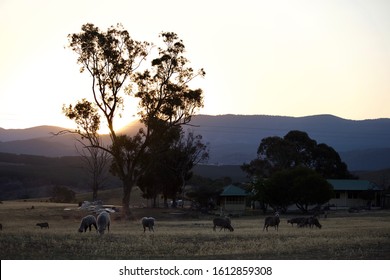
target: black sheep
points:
(224, 223)
(272, 221)
(43, 225)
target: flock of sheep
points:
(272, 221)
(103, 220)
(305, 222)
(300, 221)
(101, 223)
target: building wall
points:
(348, 199)
(233, 204)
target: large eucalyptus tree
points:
(113, 60)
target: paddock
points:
(190, 235)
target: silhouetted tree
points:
(296, 149)
(309, 188)
(301, 186)
(184, 154)
(293, 169)
(203, 191)
(97, 160)
(171, 168)
(112, 59)
(329, 164)
(62, 194)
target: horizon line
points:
(217, 115)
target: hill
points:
(363, 145)
(234, 139)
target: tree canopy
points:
(301, 186)
(296, 149)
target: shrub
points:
(63, 194)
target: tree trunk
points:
(154, 201)
(95, 187)
(127, 187)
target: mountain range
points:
(234, 139)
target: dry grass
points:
(187, 236)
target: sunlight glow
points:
(290, 58)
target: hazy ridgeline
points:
(363, 235)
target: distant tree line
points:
(30, 176)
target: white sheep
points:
(87, 222)
(148, 222)
(103, 222)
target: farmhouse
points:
(355, 193)
(233, 200)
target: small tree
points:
(204, 192)
(97, 160)
(171, 168)
(185, 153)
(62, 194)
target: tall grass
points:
(343, 236)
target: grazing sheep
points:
(224, 223)
(272, 221)
(303, 223)
(297, 221)
(313, 221)
(148, 222)
(103, 222)
(43, 225)
(310, 222)
(88, 222)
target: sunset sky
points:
(289, 58)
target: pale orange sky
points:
(290, 58)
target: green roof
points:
(232, 190)
(353, 185)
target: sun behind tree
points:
(112, 59)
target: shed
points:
(233, 200)
(355, 193)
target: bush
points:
(63, 194)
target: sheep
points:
(297, 221)
(272, 221)
(313, 221)
(87, 222)
(310, 222)
(224, 223)
(303, 223)
(103, 222)
(148, 222)
(43, 225)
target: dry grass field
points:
(187, 235)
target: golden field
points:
(183, 234)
